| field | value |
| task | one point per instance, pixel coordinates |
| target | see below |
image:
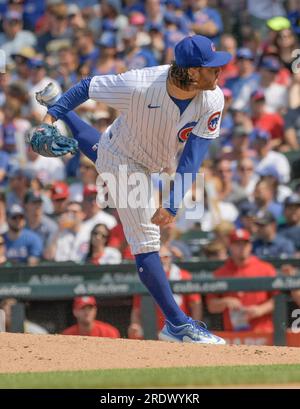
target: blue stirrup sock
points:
(154, 278)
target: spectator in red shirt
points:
(243, 310)
(271, 122)
(190, 303)
(85, 311)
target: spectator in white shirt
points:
(92, 215)
(266, 156)
(99, 252)
(276, 95)
(64, 245)
(246, 176)
(14, 37)
(47, 170)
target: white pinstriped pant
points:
(142, 235)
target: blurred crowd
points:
(48, 207)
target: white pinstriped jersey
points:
(150, 128)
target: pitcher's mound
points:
(35, 353)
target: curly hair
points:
(180, 75)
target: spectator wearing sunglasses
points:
(14, 37)
(90, 215)
(291, 228)
(240, 147)
(57, 26)
(246, 176)
(246, 80)
(65, 245)
(19, 181)
(268, 243)
(99, 252)
(21, 59)
(37, 221)
(230, 191)
(22, 245)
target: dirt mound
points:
(41, 353)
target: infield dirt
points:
(41, 353)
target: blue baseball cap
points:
(248, 209)
(245, 54)
(264, 217)
(36, 63)
(175, 3)
(270, 64)
(170, 18)
(258, 133)
(15, 172)
(269, 170)
(199, 51)
(108, 39)
(115, 4)
(258, 95)
(293, 199)
(13, 15)
(32, 196)
(154, 27)
(15, 210)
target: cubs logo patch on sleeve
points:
(213, 121)
(185, 131)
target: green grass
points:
(161, 377)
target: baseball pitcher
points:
(161, 109)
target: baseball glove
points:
(47, 141)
